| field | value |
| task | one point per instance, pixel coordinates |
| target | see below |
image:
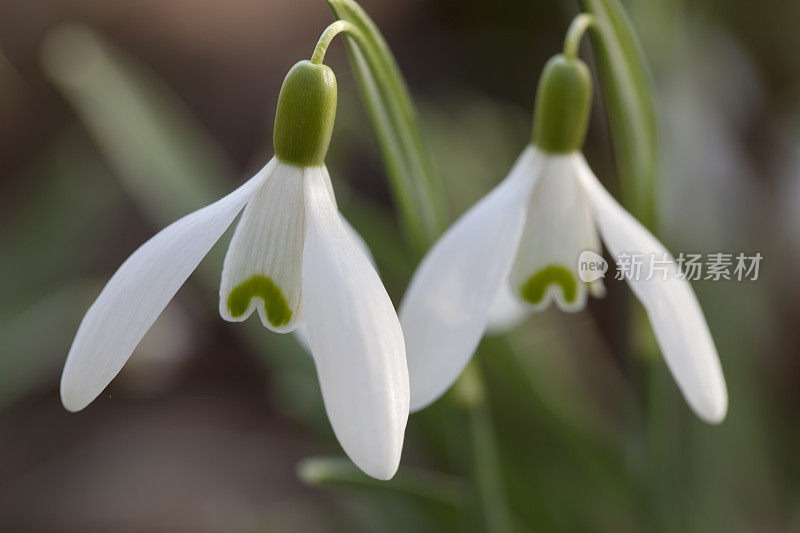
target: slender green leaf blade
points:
(433, 487)
(416, 188)
(626, 84)
(165, 161)
(29, 358)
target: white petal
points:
(301, 336)
(358, 240)
(558, 228)
(446, 308)
(138, 292)
(301, 333)
(671, 305)
(506, 312)
(263, 266)
(355, 338)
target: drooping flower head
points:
(294, 260)
(517, 250)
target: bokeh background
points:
(119, 117)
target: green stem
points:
(340, 26)
(577, 28)
(488, 476)
(470, 390)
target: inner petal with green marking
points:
(534, 290)
(260, 286)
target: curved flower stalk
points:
(517, 250)
(294, 260)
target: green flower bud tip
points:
(305, 115)
(563, 103)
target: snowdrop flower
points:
(294, 260)
(517, 250)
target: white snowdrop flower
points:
(517, 250)
(294, 260)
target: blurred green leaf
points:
(416, 189)
(547, 452)
(164, 160)
(626, 85)
(46, 235)
(442, 489)
(28, 358)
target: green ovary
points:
(278, 312)
(534, 289)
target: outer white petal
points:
(558, 228)
(138, 292)
(507, 311)
(301, 333)
(446, 308)
(263, 266)
(671, 305)
(355, 338)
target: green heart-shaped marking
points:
(278, 312)
(534, 289)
